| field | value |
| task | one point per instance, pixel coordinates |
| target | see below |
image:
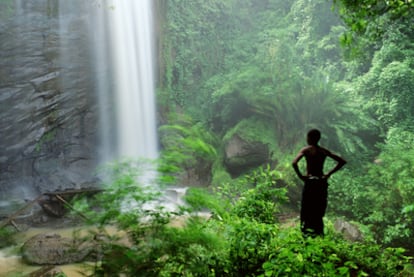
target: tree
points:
(388, 84)
(372, 17)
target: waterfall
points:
(123, 39)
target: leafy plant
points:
(370, 17)
(7, 237)
(241, 235)
(186, 145)
(263, 201)
(381, 195)
(331, 256)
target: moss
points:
(47, 137)
(219, 174)
(6, 9)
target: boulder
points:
(197, 175)
(349, 231)
(52, 249)
(242, 155)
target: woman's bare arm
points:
(340, 162)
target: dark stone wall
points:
(48, 115)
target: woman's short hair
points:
(314, 136)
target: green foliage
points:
(391, 107)
(249, 246)
(189, 251)
(7, 237)
(387, 85)
(257, 196)
(331, 256)
(7, 9)
(201, 200)
(219, 174)
(263, 200)
(157, 249)
(371, 18)
(193, 45)
(261, 54)
(270, 70)
(231, 242)
(259, 249)
(46, 138)
(394, 176)
(248, 130)
(186, 144)
(271, 64)
(125, 188)
(381, 195)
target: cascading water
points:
(124, 41)
(125, 69)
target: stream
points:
(12, 265)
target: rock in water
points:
(52, 249)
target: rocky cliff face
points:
(48, 122)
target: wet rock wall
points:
(48, 115)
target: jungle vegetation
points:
(282, 63)
(273, 69)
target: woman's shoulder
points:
(324, 150)
(315, 150)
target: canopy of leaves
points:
(372, 17)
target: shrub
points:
(239, 239)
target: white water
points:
(124, 42)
